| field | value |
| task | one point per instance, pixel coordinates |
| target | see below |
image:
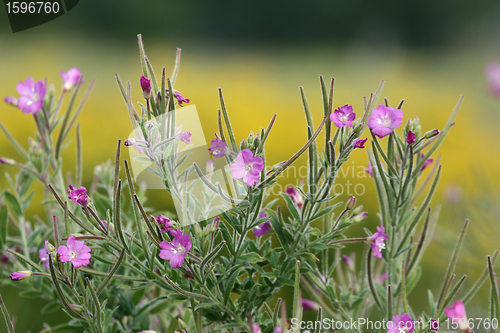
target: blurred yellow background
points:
(259, 80)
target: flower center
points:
(384, 121)
(404, 329)
(248, 168)
(343, 117)
(73, 255)
(216, 152)
(180, 249)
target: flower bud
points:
(76, 307)
(360, 217)
(7, 161)
(358, 210)
(198, 231)
(431, 134)
(358, 128)
(349, 262)
(410, 137)
(11, 100)
(71, 78)
(309, 305)
(146, 87)
(21, 275)
(215, 225)
(182, 324)
(184, 136)
(244, 144)
(129, 142)
(350, 203)
(49, 247)
(250, 138)
(256, 142)
(206, 231)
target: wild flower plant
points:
(127, 268)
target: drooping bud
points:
(7, 161)
(431, 134)
(182, 324)
(360, 217)
(350, 203)
(21, 275)
(410, 137)
(146, 87)
(129, 142)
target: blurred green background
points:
(429, 53)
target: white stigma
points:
(384, 120)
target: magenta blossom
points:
(71, 78)
(75, 252)
(262, 228)
(378, 241)
(218, 148)
(369, 169)
(32, 94)
(457, 314)
(44, 254)
(21, 275)
(184, 136)
(309, 305)
(165, 223)
(384, 120)
(358, 143)
(176, 250)
(434, 324)
(78, 195)
(180, 98)
(426, 163)
(343, 116)
(295, 196)
(247, 166)
(493, 76)
(146, 87)
(410, 137)
(256, 329)
(400, 324)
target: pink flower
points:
(184, 136)
(369, 169)
(180, 98)
(382, 278)
(309, 305)
(343, 116)
(146, 87)
(358, 143)
(256, 328)
(426, 163)
(21, 275)
(79, 195)
(457, 314)
(384, 120)
(262, 228)
(493, 76)
(71, 78)
(32, 94)
(7, 161)
(434, 324)
(75, 252)
(11, 100)
(295, 196)
(410, 137)
(348, 261)
(378, 241)
(247, 166)
(218, 148)
(400, 324)
(176, 250)
(165, 223)
(44, 254)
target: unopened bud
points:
(250, 138)
(182, 324)
(215, 225)
(129, 142)
(348, 261)
(146, 87)
(206, 231)
(360, 217)
(49, 247)
(431, 134)
(256, 142)
(244, 144)
(358, 128)
(410, 137)
(358, 210)
(21, 275)
(351, 203)
(198, 231)
(75, 307)
(7, 161)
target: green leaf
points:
(50, 307)
(3, 227)
(30, 294)
(14, 204)
(251, 258)
(228, 288)
(291, 207)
